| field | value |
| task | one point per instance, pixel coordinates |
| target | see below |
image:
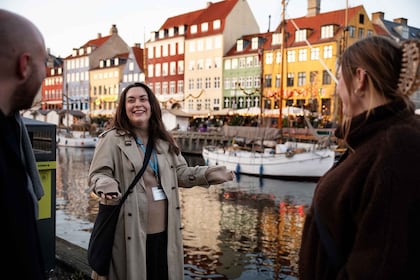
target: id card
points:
(158, 193)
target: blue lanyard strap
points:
(152, 162)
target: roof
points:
(265, 43)
(392, 27)
(96, 43)
(219, 10)
(314, 23)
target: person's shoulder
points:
(104, 133)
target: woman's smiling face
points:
(138, 107)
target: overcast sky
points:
(69, 24)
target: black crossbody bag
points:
(102, 238)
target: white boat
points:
(288, 160)
(78, 139)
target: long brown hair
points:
(156, 128)
(382, 58)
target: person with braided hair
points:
(364, 221)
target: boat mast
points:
(283, 36)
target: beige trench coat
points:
(118, 157)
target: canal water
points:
(246, 229)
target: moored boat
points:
(75, 139)
(288, 160)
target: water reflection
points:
(246, 229)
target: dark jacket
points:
(21, 246)
(370, 202)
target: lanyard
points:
(152, 162)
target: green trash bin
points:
(43, 139)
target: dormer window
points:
(217, 24)
(301, 35)
(276, 40)
(101, 64)
(194, 29)
(181, 30)
(171, 32)
(254, 44)
(327, 31)
(239, 45)
(204, 26)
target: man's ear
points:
(24, 67)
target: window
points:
(172, 47)
(172, 87)
(301, 79)
(303, 55)
(180, 67)
(165, 69)
(158, 51)
(216, 24)
(180, 86)
(269, 58)
(301, 35)
(361, 33)
(173, 68)
(314, 53)
(165, 50)
(200, 45)
(267, 83)
(327, 31)
(352, 31)
(242, 62)
(328, 52)
(204, 26)
(361, 18)
(227, 64)
(326, 78)
(278, 57)
(217, 82)
(150, 70)
(290, 79)
(254, 43)
(291, 56)
(158, 67)
(235, 63)
(239, 45)
(194, 29)
(278, 77)
(207, 82)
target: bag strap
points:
(149, 149)
(334, 256)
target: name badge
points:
(158, 193)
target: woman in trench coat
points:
(148, 239)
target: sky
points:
(70, 24)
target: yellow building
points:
(312, 48)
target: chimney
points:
(99, 36)
(208, 4)
(378, 17)
(314, 6)
(137, 45)
(113, 30)
(402, 21)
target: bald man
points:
(22, 70)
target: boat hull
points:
(88, 142)
(309, 164)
